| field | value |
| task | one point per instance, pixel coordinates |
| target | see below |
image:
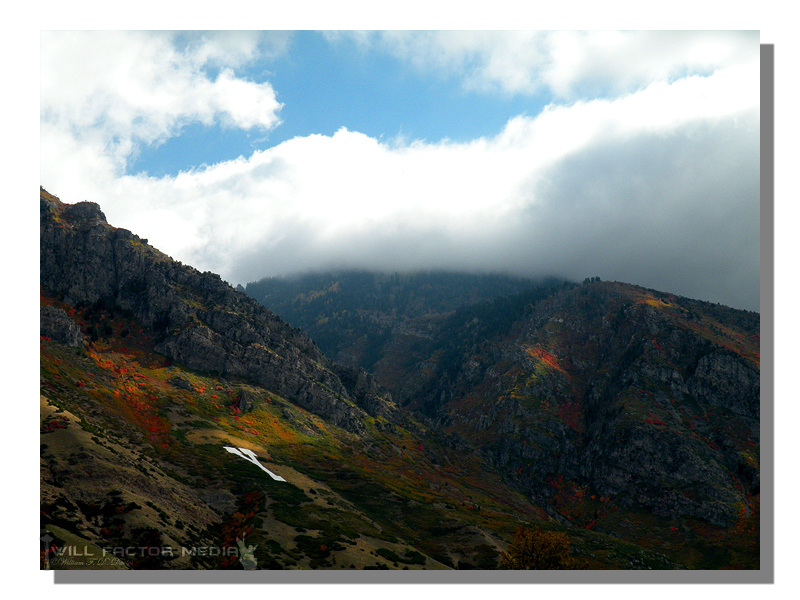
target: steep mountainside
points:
(377, 321)
(622, 417)
(629, 393)
(197, 319)
(644, 397)
(151, 370)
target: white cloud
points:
(232, 48)
(112, 91)
(598, 63)
(658, 186)
(566, 64)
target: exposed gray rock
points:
(723, 379)
(85, 211)
(199, 320)
(640, 387)
(367, 393)
(246, 401)
(56, 324)
(180, 383)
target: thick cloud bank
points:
(656, 183)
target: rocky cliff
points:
(638, 395)
(54, 323)
(645, 397)
(198, 319)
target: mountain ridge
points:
(593, 378)
(625, 417)
(592, 348)
(115, 267)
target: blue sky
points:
(325, 86)
(633, 156)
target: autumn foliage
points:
(537, 549)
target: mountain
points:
(150, 370)
(196, 318)
(185, 425)
(641, 396)
(378, 321)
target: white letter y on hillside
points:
(250, 456)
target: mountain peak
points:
(197, 319)
(71, 213)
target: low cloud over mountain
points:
(644, 170)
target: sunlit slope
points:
(150, 370)
(134, 446)
(156, 368)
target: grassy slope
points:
(396, 496)
(129, 429)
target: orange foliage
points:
(545, 357)
(537, 549)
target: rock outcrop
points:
(367, 392)
(198, 319)
(723, 379)
(56, 324)
(648, 398)
(181, 383)
(246, 401)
